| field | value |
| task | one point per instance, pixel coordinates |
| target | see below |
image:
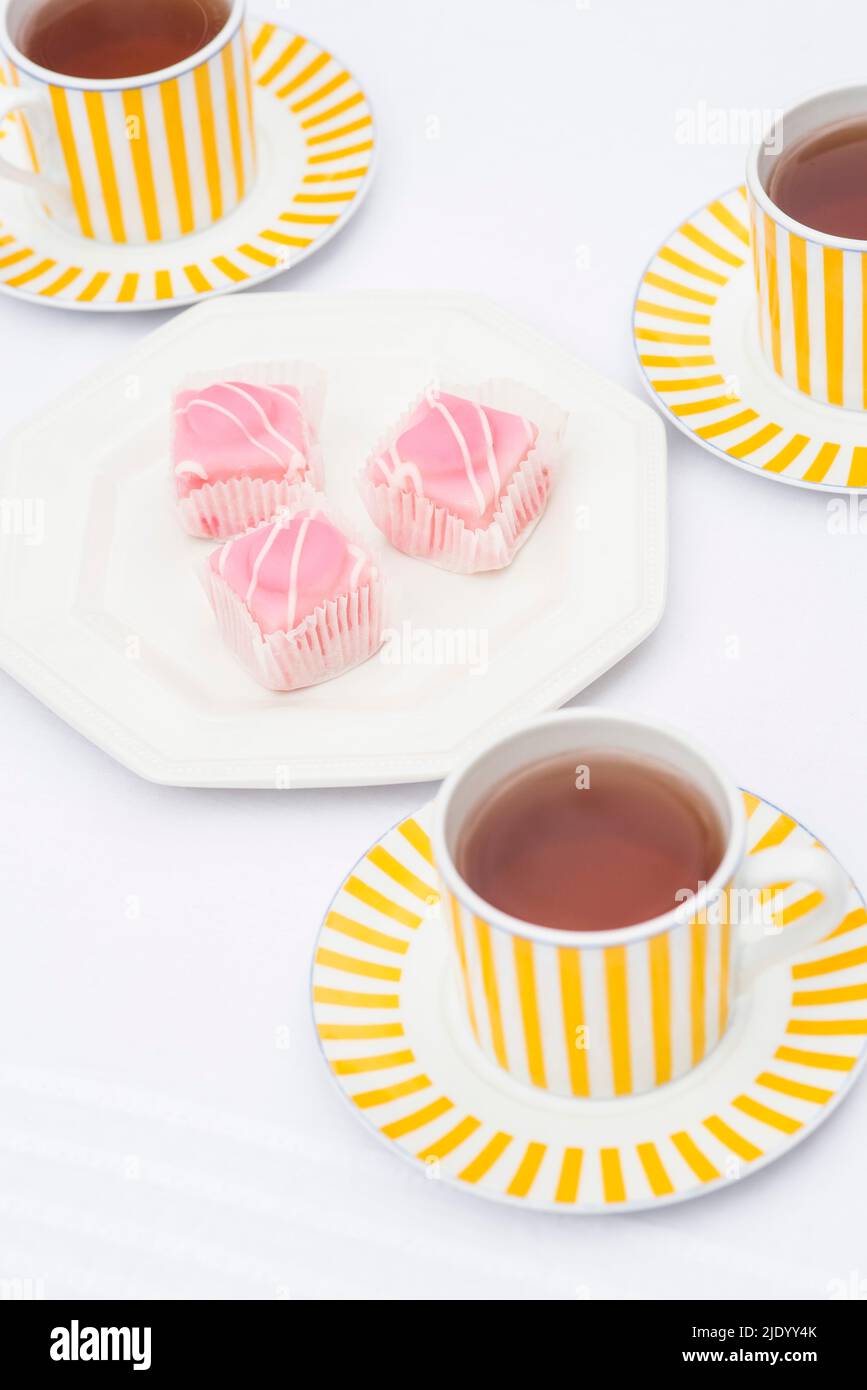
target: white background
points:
(167, 1127)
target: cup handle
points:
(785, 865)
(19, 99)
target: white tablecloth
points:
(166, 1125)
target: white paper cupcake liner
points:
(220, 510)
(421, 528)
(240, 496)
(334, 638)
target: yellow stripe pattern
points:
(603, 1022)
(654, 1169)
(806, 294)
(570, 1176)
(640, 1015)
(491, 991)
(660, 1003)
(162, 161)
(208, 133)
(149, 166)
(69, 146)
(613, 1185)
(617, 991)
(574, 1024)
(812, 325)
(139, 144)
(526, 977)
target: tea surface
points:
(821, 179)
(118, 38)
(591, 842)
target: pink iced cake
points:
(296, 600)
(237, 446)
(461, 482)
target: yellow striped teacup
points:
(811, 287)
(138, 159)
(615, 1013)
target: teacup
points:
(811, 300)
(138, 159)
(604, 1014)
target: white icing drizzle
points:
(462, 445)
(493, 465)
(251, 400)
(360, 559)
(292, 596)
(400, 470)
(379, 463)
(528, 426)
(254, 577)
(284, 394)
(224, 555)
(191, 466)
(221, 410)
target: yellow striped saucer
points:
(695, 338)
(392, 1037)
(316, 143)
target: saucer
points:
(695, 338)
(316, 143)
(393, 1037)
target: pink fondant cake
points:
(237, 446)
(296, 600)
(463, 481)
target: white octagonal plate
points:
(103, 618)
